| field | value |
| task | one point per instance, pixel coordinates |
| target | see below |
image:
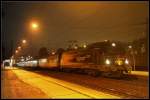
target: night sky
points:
(85, 22)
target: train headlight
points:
(119, 62)
(126, 61)
(107, 61)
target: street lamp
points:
(34, 25)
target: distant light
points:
(22, 59)
(16, 51)
(43, 60)
(105, 40)
(107, 61)
(75, 47)
(19, 47)
(130, 46)
(53, 53)
(34, 62)
(113, 44)
(24, 41)
(27, 58)
(84, 46)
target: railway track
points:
(110, 91)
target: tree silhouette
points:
(43, 52)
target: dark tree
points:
(43, 52)
(3, 53)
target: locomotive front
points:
(116, 65)
(112, 57)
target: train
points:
(105, 58)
